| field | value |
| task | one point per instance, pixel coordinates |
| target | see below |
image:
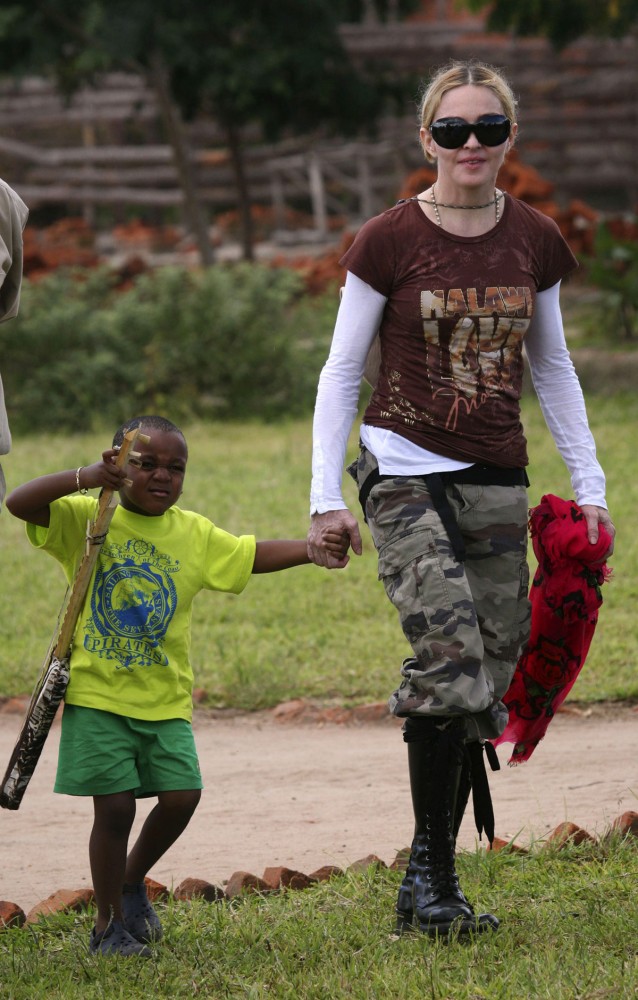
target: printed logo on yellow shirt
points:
(132, 604)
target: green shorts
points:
(102, 753)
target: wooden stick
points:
(54, 677)
(95, 537)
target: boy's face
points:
(157, 475)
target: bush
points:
(614, 270)
(228, 342)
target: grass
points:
(569, 921)
(330, 636)
(568, 932)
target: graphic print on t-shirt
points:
(132, 604)
(473, 343)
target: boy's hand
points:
(339, 522)
(104, 474)
(31, 501)
(337, 543)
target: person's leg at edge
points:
(500, 598)
(431, 894)
(438, 614)
(164, 824)
(113, 819)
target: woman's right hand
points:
(340, 522)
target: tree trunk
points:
(158, 79)
(241, 183)
(370, 14)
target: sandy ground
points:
(304, 795)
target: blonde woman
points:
(455, 281)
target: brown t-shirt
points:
(453, 326)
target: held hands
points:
(329, 537)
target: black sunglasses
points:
(452, 133)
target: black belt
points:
(478, 475)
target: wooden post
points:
(158, 78)
(88, 141)
(365, 185)
(278, 203)
(317, 194)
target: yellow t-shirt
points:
(131, 650)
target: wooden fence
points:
(578, 107)
(579, 114)
(93, 161)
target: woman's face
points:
(472, 165)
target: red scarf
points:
(565, 596)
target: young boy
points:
(126, 727)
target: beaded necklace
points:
(436, 205)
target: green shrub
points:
(230, 342)
(613, 269)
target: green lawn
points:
(307, 632)
(569, 922)
(568, 932)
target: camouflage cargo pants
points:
(467, 622)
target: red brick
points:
(286, 878)
(61, 901)
(325, 873)
(10, 914)
(374, 712)
(245, 882)
(498, 844)
(364, 863)
(192, 888)
(627, 824)
(569, 833)
(400, 862)
(335, 715)
(155, 890)
(290, 711)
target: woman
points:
(454, 280)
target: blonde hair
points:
(460, 74)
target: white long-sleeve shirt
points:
(553, 375)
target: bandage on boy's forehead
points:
(160, 449)
(141, 439)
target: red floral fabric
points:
(565, 597)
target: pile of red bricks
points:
(71, 242)
(577, 222)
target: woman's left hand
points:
(595, 516)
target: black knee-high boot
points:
(462, 794)
(440, 781)
(405, 914)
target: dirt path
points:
(305, 795)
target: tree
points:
(277, 63)
(69, 43)
(376, 11)
(562, 21)
(281, 64)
